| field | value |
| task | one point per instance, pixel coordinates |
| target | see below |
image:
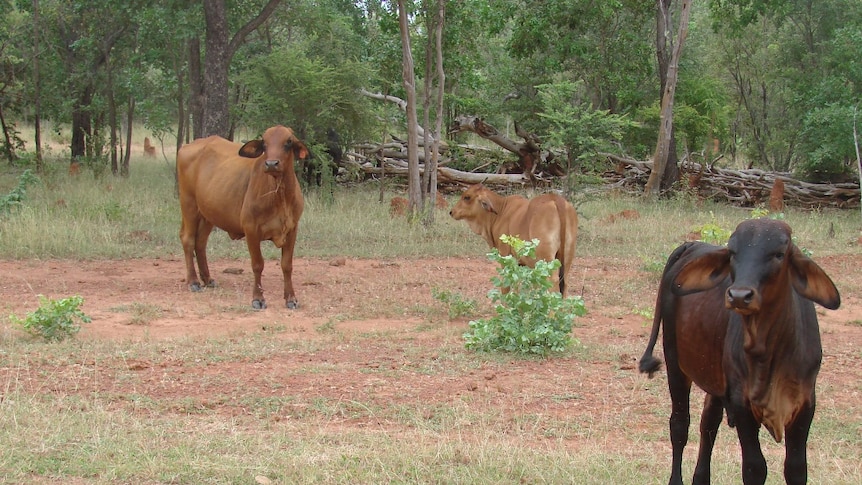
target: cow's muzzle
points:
(742, 300)
(271, 165)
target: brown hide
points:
(739, 322)
(776, 196)
(149, 149)
(248, 191)
(549, 218)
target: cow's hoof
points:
(258, 304)
(292, 304)
(196, 287)
(212, 284)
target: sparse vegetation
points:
(140, 313)
(457, 304)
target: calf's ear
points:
(252, 149)
(487, 205)
(702, 273)
(810, 281)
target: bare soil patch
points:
(370, 331)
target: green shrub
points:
(531, 318)
(54, 320)
(16, 196)
(712, 233)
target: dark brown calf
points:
(740, 323)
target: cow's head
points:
(279, 146)
(474, 204)
(762, 261)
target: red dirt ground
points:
(391, 321)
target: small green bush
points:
(531, 318)
(54, 320)
(458, 305)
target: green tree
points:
(791, 69)
(582, 131)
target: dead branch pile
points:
(391, 159)
(747, 188)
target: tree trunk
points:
(665, 151)
(856, 146)
(8, 148)
(431, 165)
(82, 124)
(427, 202)
(196, 89)
(112, 116)
(220, 48)
(182, 127)
(124, 167)
(37, 95)
(414, 189)
(216, 63)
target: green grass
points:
(88, 217)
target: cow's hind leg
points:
(796, 441)
(680, 418)
(190, 235)
(710, 420)
(203, 234)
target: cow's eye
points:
(779, 255)
(288, 146)
(466, 198)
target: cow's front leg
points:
(257, 300)
(796, 442)
(287, 269)
(753, 462)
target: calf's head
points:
(474, 203)
(762, 262)
(279, 146)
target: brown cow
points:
(249, 191)
(740, 323)
(549, 218)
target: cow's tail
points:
(650, 364)
(563, 253)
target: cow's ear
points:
(252, 149)
(702, 273)
(300, 151)
(487, 205)
(810, 281)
